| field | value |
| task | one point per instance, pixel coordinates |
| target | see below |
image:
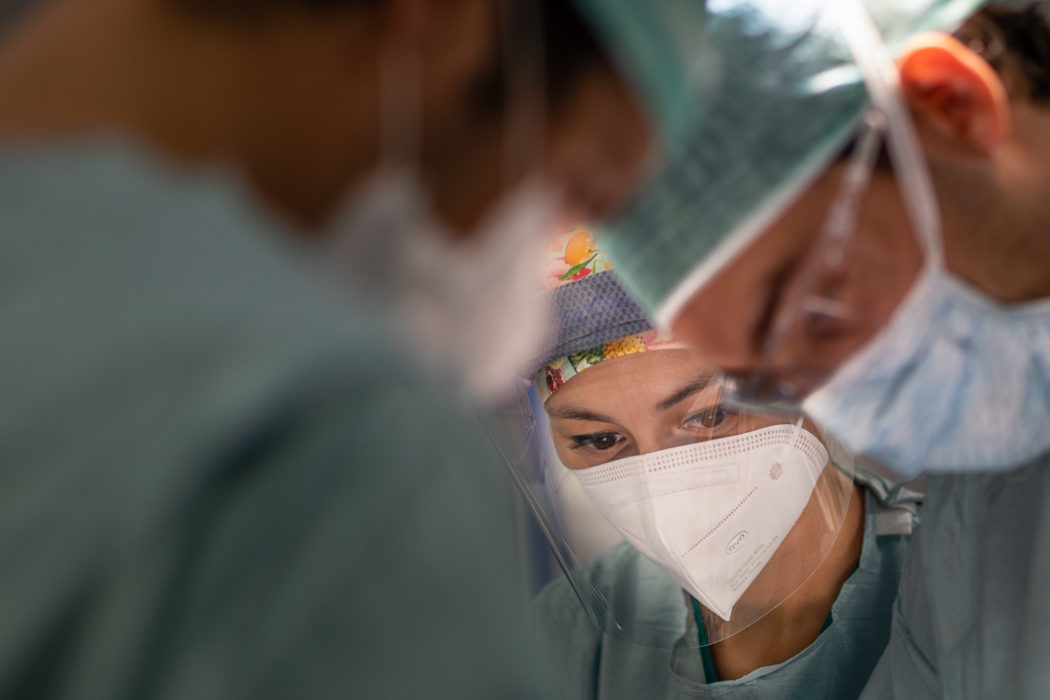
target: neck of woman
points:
(796, 622)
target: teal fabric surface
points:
(778, 95)
(216, 481)
(597, 666)
(971, 620)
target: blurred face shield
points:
(732, 509)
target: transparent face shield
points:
(676, 519)
(849, 286)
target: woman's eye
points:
(709, 418)
(597, 441)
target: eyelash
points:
(719, 410)
(588, 441)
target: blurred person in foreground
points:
(860, 225)
(754, 560)
(224, 475)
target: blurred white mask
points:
(463, 307)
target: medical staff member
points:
(860, 224)
(221, 479)
(752, 565)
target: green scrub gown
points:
(597, 666)
(972, 620)
(216, 479)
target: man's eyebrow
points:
(694, 387)
(573, 413)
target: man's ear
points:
(956, 91)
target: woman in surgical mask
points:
(739, 559)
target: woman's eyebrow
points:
(573, 413)
(691, 389)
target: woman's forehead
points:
(637, 375)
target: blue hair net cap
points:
(589, 312)
(653, 42)
(779, 94)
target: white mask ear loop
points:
(882, 80)
(791, 446)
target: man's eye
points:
(709, 418)
(597, 441)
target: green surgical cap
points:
(778, 95)
(653, 42)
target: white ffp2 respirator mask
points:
(711, 514)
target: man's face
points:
(833, 311)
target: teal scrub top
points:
(597, 666)
(216, 479)
(973, 616)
